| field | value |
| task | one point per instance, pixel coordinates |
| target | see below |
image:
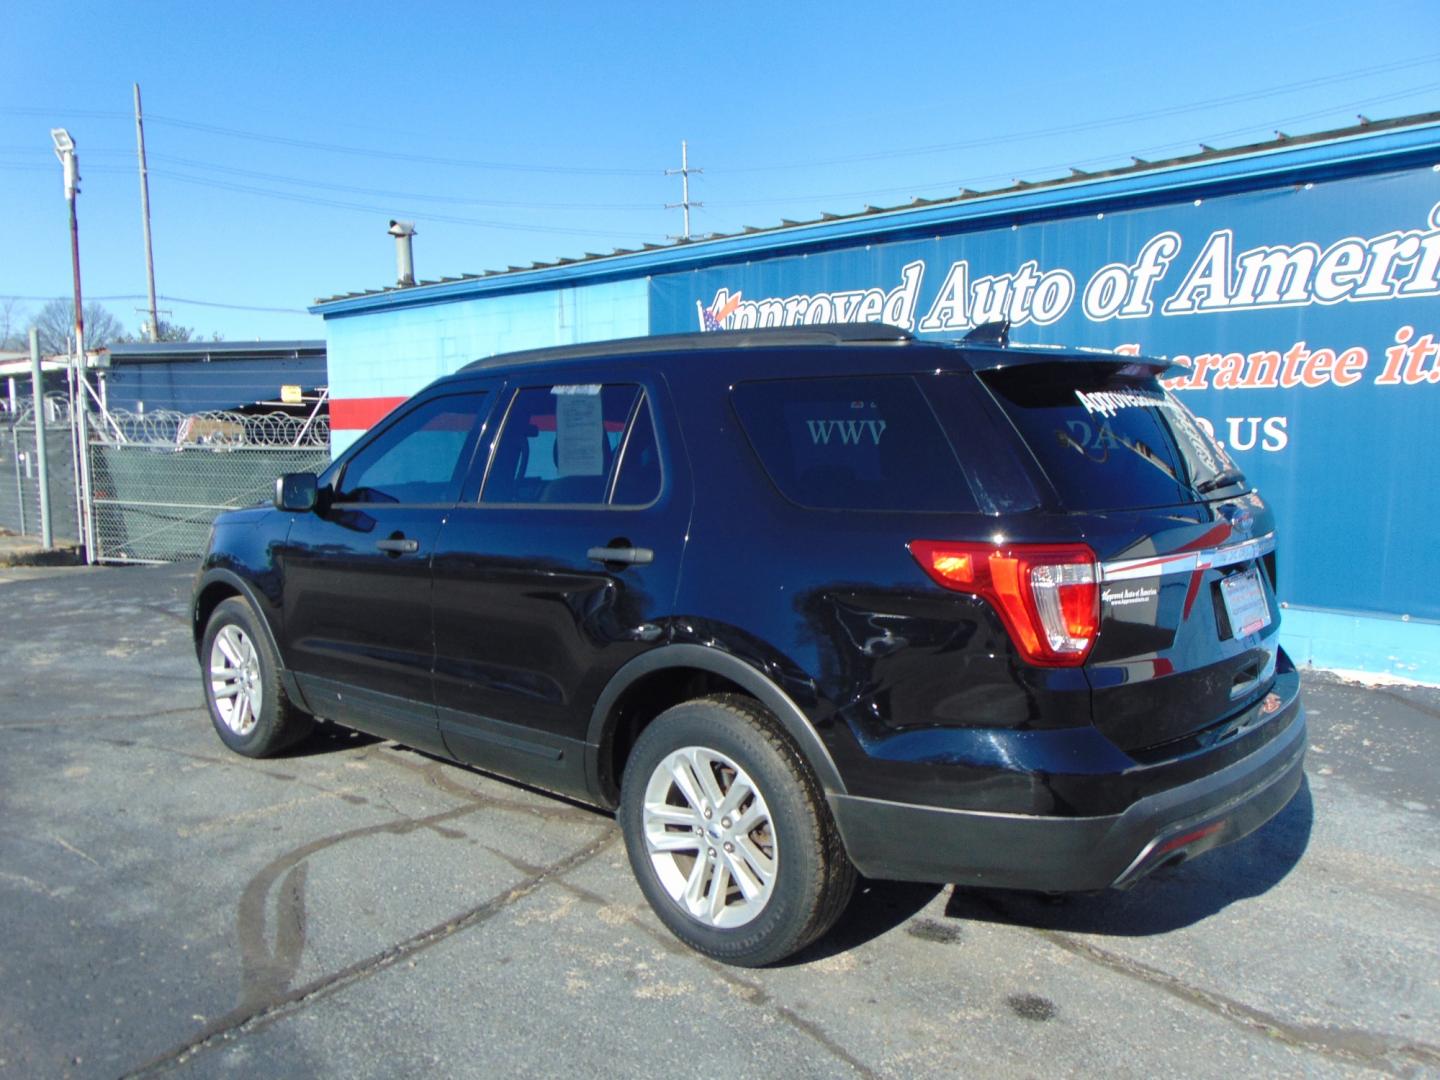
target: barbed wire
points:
(213, 430)
(57, 411)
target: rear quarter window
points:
(1108, 440)
(863, 443)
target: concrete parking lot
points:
(357, 909)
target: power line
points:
(335, 148)
(395, 155)
(1182, 144)
(348, 188)
(1067, 129)
(450, 219)
(1251, 95)
(416, 196)
(168, 299)
(315, 200)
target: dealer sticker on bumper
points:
(1245, 603)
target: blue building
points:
(1295, 283)
(206, 376)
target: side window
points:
(560, 444)
(870, 443)
(421, 458)
(639, 481)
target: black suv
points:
(796, 604)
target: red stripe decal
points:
(360, 414)
(1216, 535)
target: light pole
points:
(65, 151)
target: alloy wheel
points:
(235, 684)
(709, 837)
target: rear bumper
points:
(906, 842)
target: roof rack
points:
(822, 334)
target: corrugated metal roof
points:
(1208, 166)
(142, 352)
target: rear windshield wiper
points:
(1224, 478)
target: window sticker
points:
(579, 431)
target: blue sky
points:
(282, 137)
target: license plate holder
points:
(1245, 603)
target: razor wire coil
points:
(213, 430)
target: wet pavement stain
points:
(931, 930)
(1031, 1007)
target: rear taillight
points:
(1047, 595)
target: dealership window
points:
(562, 444)
(420, 458)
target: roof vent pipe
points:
(404, 255)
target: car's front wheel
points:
(243, 692)
(729, 835)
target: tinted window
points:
(859, 444)
(560, 444)
(1110, 441)
(421, 458)
(639, 481)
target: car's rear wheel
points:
(729, 835)
(243, 692)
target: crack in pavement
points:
(749, 992)
(1368, 1048)
(182, 616)
(1407, 700)
(265, 1002)
(227, 761)
(267, 972)
(44, 725)
(1410, 703)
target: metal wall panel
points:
(392, 354)
(200, 385)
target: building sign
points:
(1303, 322)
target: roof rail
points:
(771, 337)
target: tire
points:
(243, 692)
(750, 889)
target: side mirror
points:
(295, 491)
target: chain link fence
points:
(20, 471)
(159, 479)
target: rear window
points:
(1110, 441)
(869, 443)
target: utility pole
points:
(684, 172)
(145, 215)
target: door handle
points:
(633, 556)
(398, 546)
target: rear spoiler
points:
(988, 348)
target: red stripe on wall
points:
(360, 414)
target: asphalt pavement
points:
(358, 909)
